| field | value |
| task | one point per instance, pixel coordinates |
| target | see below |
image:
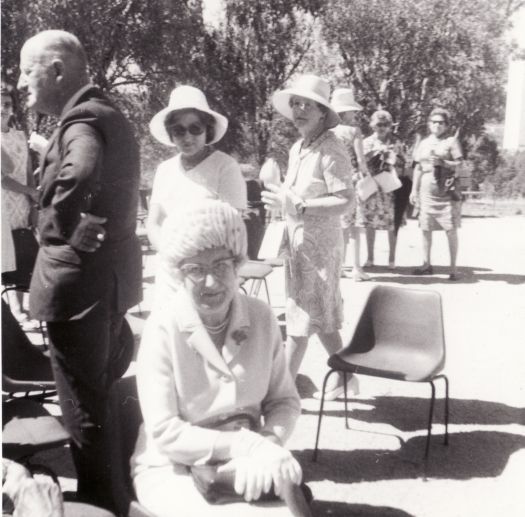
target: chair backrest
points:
(21, 360)
(123, 422)
(398, 316)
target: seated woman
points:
(197, 171)
(212, 378)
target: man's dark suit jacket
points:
(90, 165)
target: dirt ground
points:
(376, 467)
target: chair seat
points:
(389, 362)
(73, 509)
(11, 385)
(27, 428)
(255, 270)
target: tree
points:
(255, 51)
(408, 56)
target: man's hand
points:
(89, 233)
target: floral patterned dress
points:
(348, 135)
(315, 245)
(16, 206)
(377, 211)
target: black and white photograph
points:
(263, 258)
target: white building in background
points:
(514, 134)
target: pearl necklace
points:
(217, 329)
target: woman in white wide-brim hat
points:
(350, 134)
(316, 191)
(197, 171)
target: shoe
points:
(352, 389)
(423, 270)
(391, 266)
(368, 263)
(360, 276)
(453, 277)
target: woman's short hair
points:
(208, 224)
(205, 119)
(442, 112)
(381, 116)
(7, 89)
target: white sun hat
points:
(310, 87)
(343, 100)
(182, 98)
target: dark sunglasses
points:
(383, 124)
(178, 130)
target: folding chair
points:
(28, 428)
(399, 336)
(255, 272)
(25, 369)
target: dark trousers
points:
(87, 355)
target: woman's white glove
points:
(258, 464)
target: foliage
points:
(404, 55)
(483, 159)
(257, 48)
(408, 56)
(508, 179)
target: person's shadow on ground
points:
(466, 275)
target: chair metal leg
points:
(346, 400)
(267, 292)
(430, 417)
(327, 376)
(445, 378)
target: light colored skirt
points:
(169, 492)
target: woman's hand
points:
(435, 161)
(414, 198)
(261, 464)
(277, 198)
(37, 143)
(33, 194)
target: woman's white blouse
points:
(185, 383)
(218, 176)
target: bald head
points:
(53, 66)
(59, 45)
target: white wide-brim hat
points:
(310, 87)
(182, 98)
(343, 100)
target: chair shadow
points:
(338, 509)
(410, 413)
(468, 455)
(466, 275)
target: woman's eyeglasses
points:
(198, 272)
(304, 105)
(178, 130)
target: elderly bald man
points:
(88, 269)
